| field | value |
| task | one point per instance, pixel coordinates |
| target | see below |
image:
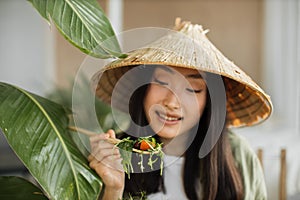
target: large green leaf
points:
(36, 129)
(19, 189)
(83, 23)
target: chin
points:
(167, 135)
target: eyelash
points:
(160, 82)
(164, 83)
(194, 91)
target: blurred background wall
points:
(260, 36)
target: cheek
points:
(154, 93)
(197, 105)
(196, 111)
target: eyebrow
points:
(194, 76)
(168, 69)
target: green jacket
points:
(250, 168)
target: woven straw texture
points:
(188, 47)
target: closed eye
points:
(194, 91)
(159, 82)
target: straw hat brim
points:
(247, 103)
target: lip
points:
(172, 118)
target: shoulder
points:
(249, 166)
(240, 146)
(244, 155)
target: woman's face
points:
(175, 100)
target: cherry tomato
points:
(145, 146)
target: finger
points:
(101, 153)
(111, 133)
(97, 137)
(113, 163)
(95, 148)
(105, 145)
(90, 157)
(94, 164)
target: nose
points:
(170, 100)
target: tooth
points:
(165, 117)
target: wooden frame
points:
(283, 172)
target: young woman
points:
(183, 108)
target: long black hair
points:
(217, 172)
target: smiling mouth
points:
(168, 118)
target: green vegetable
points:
(128, 146)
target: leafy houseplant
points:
(37, 128)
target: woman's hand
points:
(105, 159)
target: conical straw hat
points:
(247, 104)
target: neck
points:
(175, 146)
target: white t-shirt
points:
(173, 182)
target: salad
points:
(147, 150)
